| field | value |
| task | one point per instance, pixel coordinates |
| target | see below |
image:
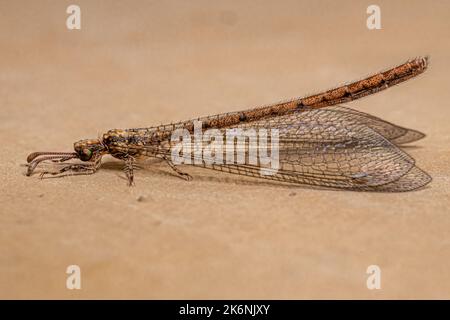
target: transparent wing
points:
(414, 179)
(323, 147)
(394, 133)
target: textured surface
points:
(138, 64)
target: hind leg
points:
(184, 175)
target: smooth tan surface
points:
(142, 63)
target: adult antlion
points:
(319, 142)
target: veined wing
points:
(322, 147)
(413, 179)
(394, 133)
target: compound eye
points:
(86, 154)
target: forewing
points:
(321, 147)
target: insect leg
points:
(182, 174)
(129, 170)
(70, 170)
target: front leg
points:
(69, 169)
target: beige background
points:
(141, 63)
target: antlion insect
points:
(320, 142)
